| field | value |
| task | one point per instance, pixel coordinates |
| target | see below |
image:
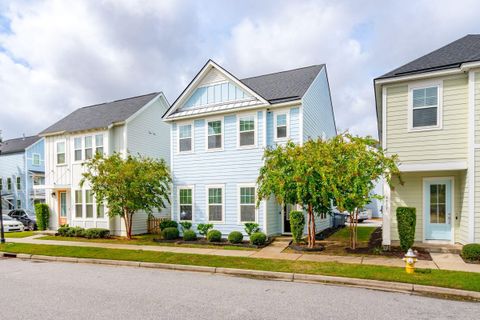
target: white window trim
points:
(75, 203)
(33, 159)
(255, 129)
(423, 85)
(92, 136)
(17, 178)
(192, 187)
(239, 216)
(56, 153)
(179, 124)
(8, 185)
(85, 203)
(81, 149)
(280, 112)
(207, 120)
(94, 142)
(207, 209)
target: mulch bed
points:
(304, 247)
(223, 243)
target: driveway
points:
(82, 291)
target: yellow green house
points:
(428, 113)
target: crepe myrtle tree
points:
(298, 175)
(127, 184)
(359, 163)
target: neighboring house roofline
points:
(17, 145)
(145, 107)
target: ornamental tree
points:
(128, 184)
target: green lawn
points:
(442, 278)
(363, 234)
(144, 240)
(23, 234)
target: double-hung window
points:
(36, 159)
(247, 204)
(185, 201)
(100, 209)
(19, 204)
(99, 144)
(9, 184)
(88, 147)
(185, 138)
(215, 204)
(78, 204)
(19, 183)
(425, 110)
(89, 203)
(281, 121)
(246, 131)
(1, 184)
(77, 146)
(214, 134)
(61, 152)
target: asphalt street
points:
(49, 290)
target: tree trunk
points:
(127, 217)
(353, 228)
(311, 227)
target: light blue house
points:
(22, 168)
(220, 126)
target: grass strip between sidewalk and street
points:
(440, 278)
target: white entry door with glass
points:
(438, 209)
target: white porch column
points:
(471, 156)
(387, 216)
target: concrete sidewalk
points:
(442, 261)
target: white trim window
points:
(185, 138)
(100, 209)
(77, 147)
(425, 107)
(60, 151)
(19, 183)
(36, 159)
(88, 204)
(246, 131)
(19, 204)
(215, 203)
(247, 209)
(281, 125)
(9, 184)
(78, 204)
(1, 184)
(214, 134)
(88, 147)
(185, 203)
(99, 144)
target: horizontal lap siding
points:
(411, 195)
(228, 167)
(447, 144)
(12, 166)
(477, 157)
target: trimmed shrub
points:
(189, 235)
(297, 224)
(258, 238)
(167, 223)
(75, 232)
(471, 252)
(170, 233)
(235, 237)
(203, 228)
(214, 236)
(96, 233)
(406, 220)
(251, 227)
(186, 225)
(43, 215)
(63, 230)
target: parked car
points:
(363, 214)
(10, 224)
(27, 218)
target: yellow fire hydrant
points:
(410, 259)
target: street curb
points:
(270, 275)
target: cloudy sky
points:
(56, 56)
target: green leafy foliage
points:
(297, 224)
(251, 227)
(214, 236)
(406, 220)
(96, 233)
(235, 237)
(170, 233)
(128, 184)
(186, 225)
(189, 235)
(258, 238)
(66, 231)
(203, 228)
(42, 214)
(167, 223)
(471, 252)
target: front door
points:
(286, 218)
(438, 209)
(62, 207)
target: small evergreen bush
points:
(251, 227)
(214, 236)
(170, 233)
(297, 224)
(96, 233)
(42, 213)
(186, 225)
(235, 237)
(75, 232)
(471, 252)
(189, 235)
(258, 238)
(203, 228)
(406, 220)
(167, 223)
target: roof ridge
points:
(21, 138)
(118, 100)
(278, 72)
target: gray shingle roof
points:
(466, 49)
(283, 86)
(17, 145)
(100, 115)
